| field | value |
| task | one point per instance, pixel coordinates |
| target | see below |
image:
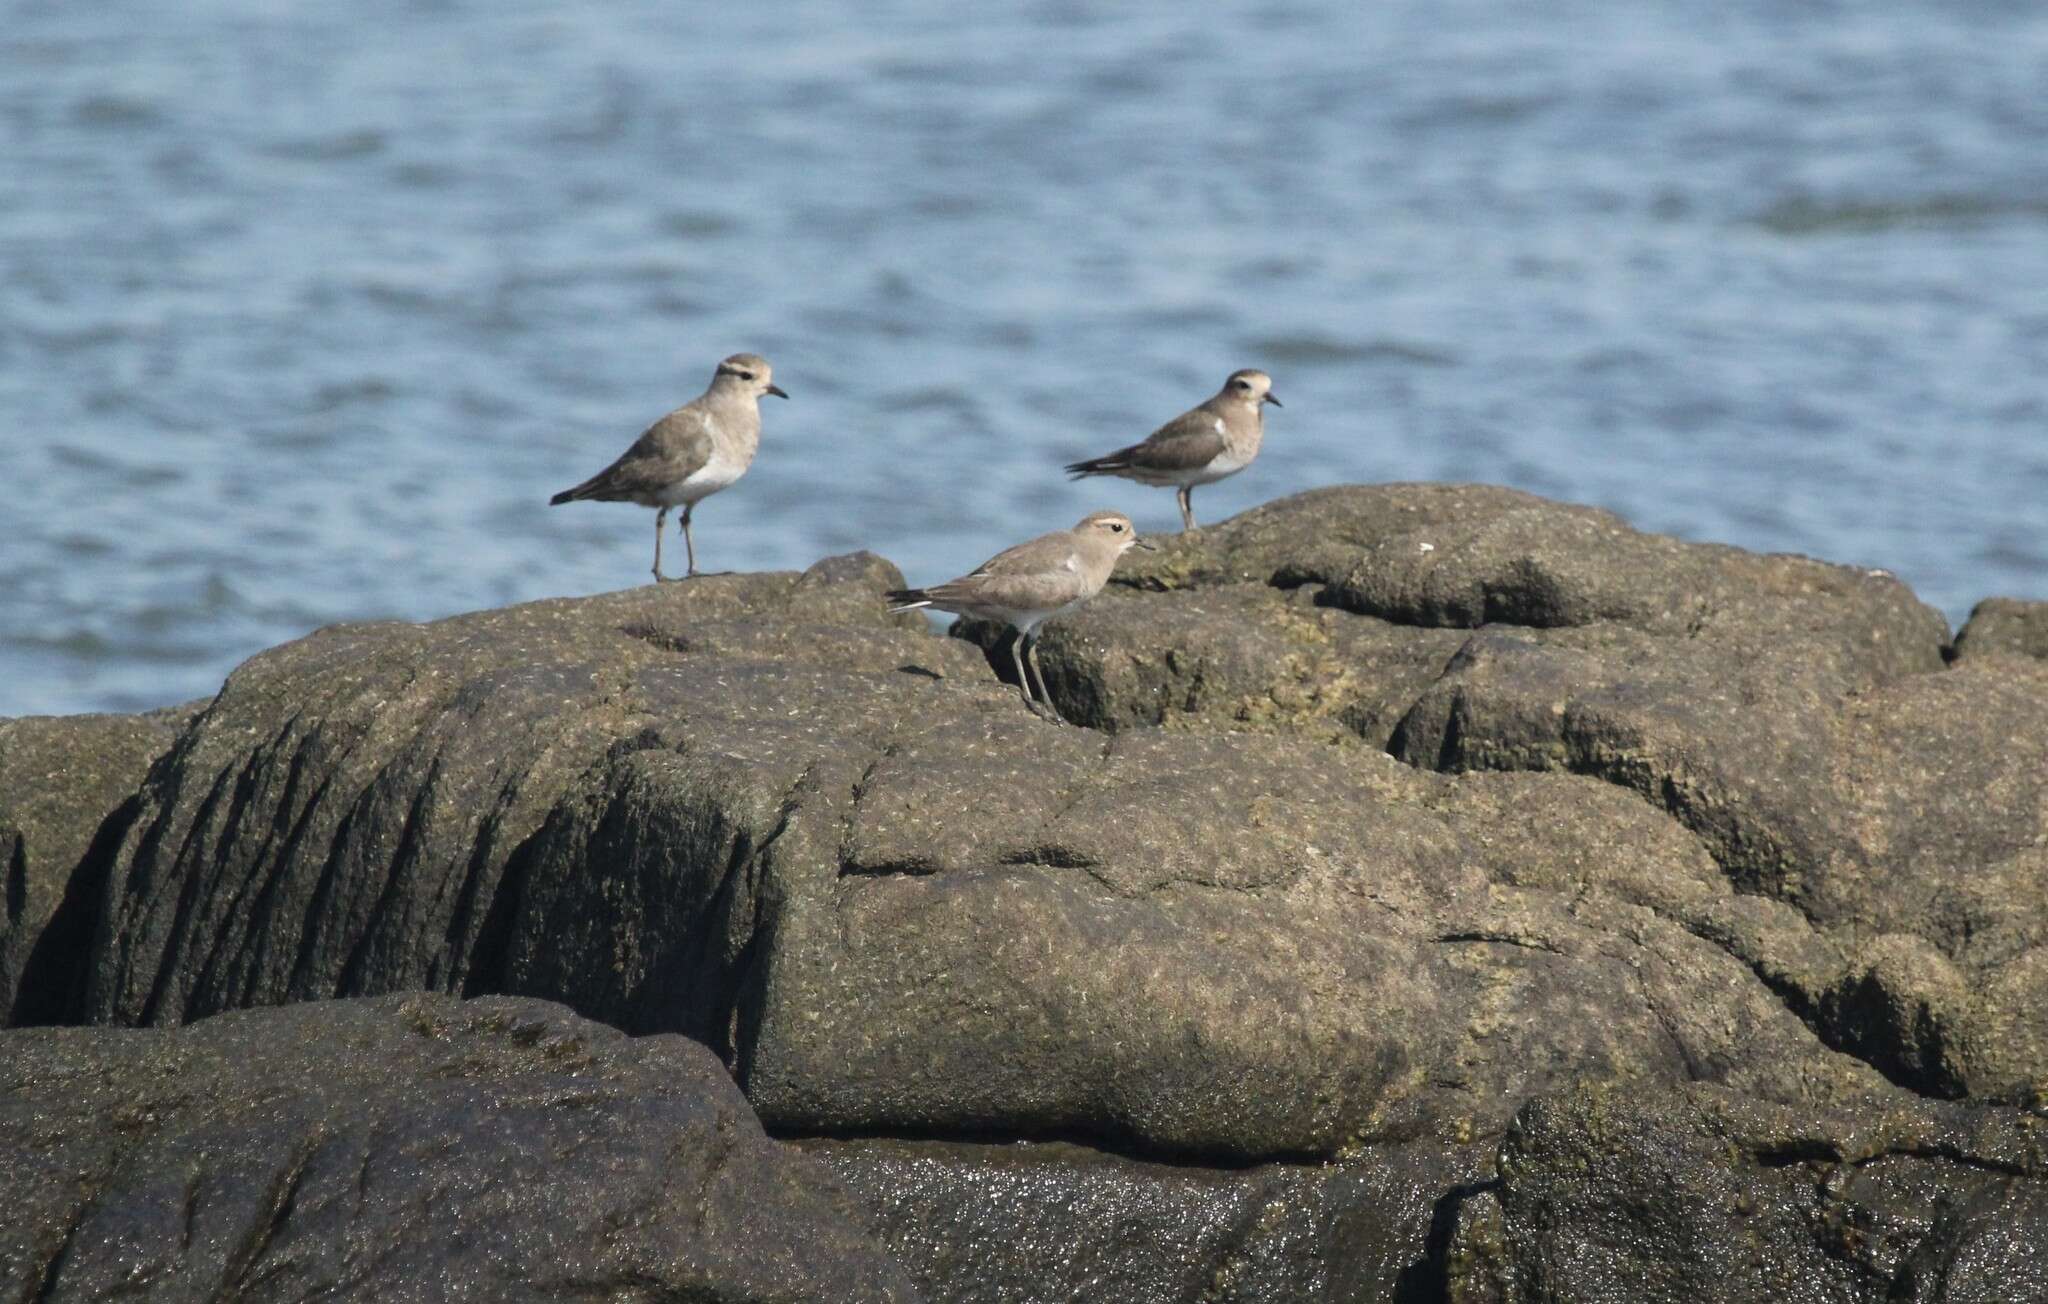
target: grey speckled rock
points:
(1794, 716)
(339, 820)
(1670, 815)
(1239, 948)
(1608, 1198)
(894, 903)
(1428, 564)
(965, 921)
(406, 1148)
(758, 810)
(1906, 823)
(65, 788)
(2005, 627)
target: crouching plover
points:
(1029, 584)
(1200, 446)
(691, 453)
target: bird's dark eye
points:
(1244, 384)
(746, 375)
(1116, 529)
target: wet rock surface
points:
(1701, 1194)
(1405, 806)
(409, 1147)
(1064, 1223)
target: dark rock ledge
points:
(407, 1147)
(1461, 896)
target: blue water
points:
(304, 316)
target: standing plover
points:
(1200, 446)
(1027, 585)
(691, 453)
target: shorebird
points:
(1025, 586)
(1200, 446)
(691, 453)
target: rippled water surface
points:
(307, 309)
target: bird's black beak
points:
(776, 390)
(1274, 399)
(1146, 544)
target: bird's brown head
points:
(749, 374)
(1251, 387)
(1112, 529)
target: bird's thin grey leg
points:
(689, 544)
(660, 524)
(1023, 684)
(1187, 508)
(1031, 660)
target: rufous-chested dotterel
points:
(1200, 446)
(1027, 585)
(691, 453)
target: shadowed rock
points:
(2005, 627)
(339, 819)
(410, 1147)
(65, 788)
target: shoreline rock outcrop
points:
(1408, 808)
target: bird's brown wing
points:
(1046, 552)
(669, 450)
(1042, 573)
(1189, 442)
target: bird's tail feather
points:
(600, 486)
(1108, 464)
(591, 488)
(906, 600)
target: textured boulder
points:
(1423, 566)
(1459, 798)
(759, 811)
(1249, 657)
(1794, 716)
(1228, 948)
(339, 819)
(65, 788)
(900, 905)
(1704, 1194)
(409, 1147)
(1905, 821)
(2005, 627)
(762, 812)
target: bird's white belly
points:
(1027, 621)
(701, 483)
(1222, 467)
